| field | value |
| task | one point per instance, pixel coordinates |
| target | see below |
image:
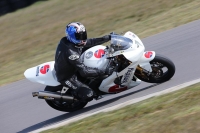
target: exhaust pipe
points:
(47, 95)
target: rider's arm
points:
(85, 71)
(97, 41)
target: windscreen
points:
(120, 42)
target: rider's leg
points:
(80, 90)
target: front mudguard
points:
(145, 59)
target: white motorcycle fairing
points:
(97, 57)
(135, 53)
(43, 74)
(125, 62)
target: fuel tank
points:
(95, 57)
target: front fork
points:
(142, 72)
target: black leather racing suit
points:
(68, 62)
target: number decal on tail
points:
(44, 69)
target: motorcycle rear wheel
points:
(64, 106)
(163, 69)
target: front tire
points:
(70, 106)
(163, 69)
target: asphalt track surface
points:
(21, 113)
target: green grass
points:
(177, 112)
(29, 36)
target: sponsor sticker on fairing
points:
(117, 88)
(44, 69)
(99, 53)
(148, 54)
(127, 75)
(88, 55)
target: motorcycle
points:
(125, 59)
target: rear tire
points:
(163, 69)
(70, 106)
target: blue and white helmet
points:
(76, 33)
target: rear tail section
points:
(43, 73)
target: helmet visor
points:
(81, 35)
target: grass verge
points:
(29, 36)
(177, 112)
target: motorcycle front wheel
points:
(163, 69)
(66, 106)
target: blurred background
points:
(7, 6)
(30, 30)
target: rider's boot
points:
(83, 94)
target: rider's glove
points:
(107, 37)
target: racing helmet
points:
(76, 33)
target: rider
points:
(68, 61)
